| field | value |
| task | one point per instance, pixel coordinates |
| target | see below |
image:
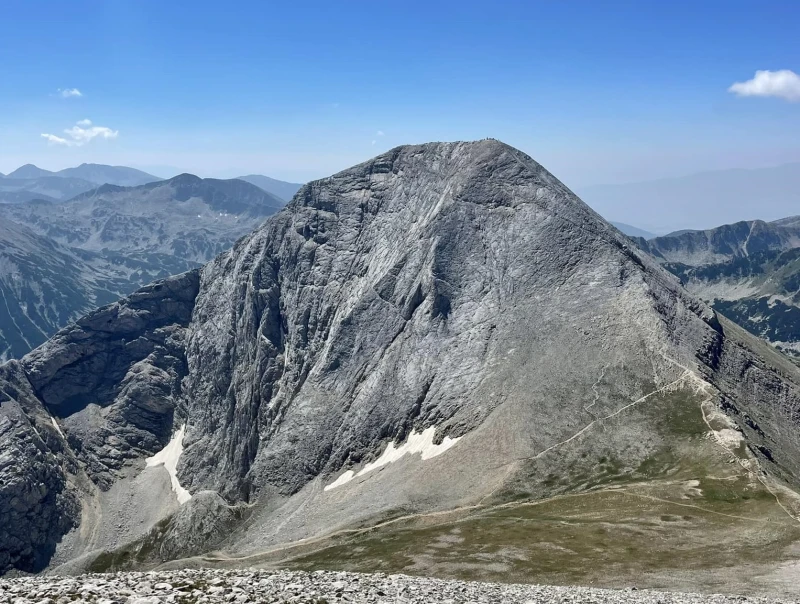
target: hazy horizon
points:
(165, 171)
(700, 200)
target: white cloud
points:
(379, 133)
(68, 93)
(783, 84)
(373, 142)
(81, 133)
(56, 140)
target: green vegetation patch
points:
(603, 537)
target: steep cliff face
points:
(36, 506)
(113, 377)
(443, 326)
(101, 393)
(382, 302)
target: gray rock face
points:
(113, 377)
(346, 290)
(100, 393)
(442, 326)
(36, 506)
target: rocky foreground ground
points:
(321, 587)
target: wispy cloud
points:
(56, 140)
(783, 84)
(80, 134)
(69, 93)
(378, 134)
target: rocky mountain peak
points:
(185, 179)
(445, 325)
(29, 171)
(486, 172)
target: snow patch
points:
(419, 442)
(168, 457)
(343, 479)
(57, 427)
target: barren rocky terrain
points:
(320, 587)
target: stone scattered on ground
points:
(320, 587)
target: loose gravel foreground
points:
(320, 587)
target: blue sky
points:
(599, 92)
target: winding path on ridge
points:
(473, 510)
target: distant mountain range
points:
(749, 271)
(633, 231)
(95, 173)
(702, 200)
(18, 190)
(284, 190)
(59, 259)
(31, 182)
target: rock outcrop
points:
(36, 506)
